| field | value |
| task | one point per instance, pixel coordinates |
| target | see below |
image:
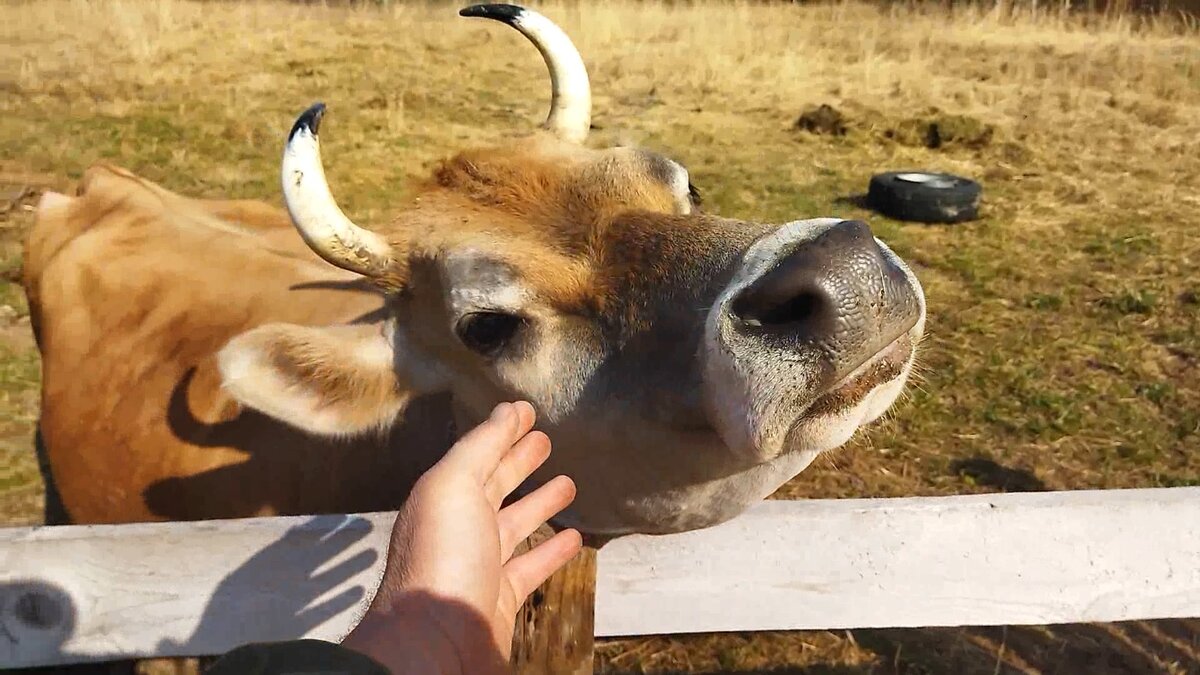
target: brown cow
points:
(200, 361)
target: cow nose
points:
(838, 292)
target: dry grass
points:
(1065, 325)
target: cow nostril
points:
(798, 309)
(836, 297)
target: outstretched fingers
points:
(480, 450)
(529, 570)
(519, 520)
(517, 464)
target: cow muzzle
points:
(813, 337)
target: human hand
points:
(452, 587)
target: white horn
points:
(571, 103)
(324, 227)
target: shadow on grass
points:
(984, 471)
(858, 201)
(785, 670)
(1170, 647)
(1127, 648)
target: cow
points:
(202, 361)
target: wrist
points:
(403, 643)
(418, 633)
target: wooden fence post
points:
(555, 629)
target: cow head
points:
(684, 365)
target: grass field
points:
(1064, 346)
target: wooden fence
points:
(96, 593)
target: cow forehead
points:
(580, 226)
(560, 193)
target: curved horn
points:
(571, 103)
(324, 227)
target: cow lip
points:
(887, 365)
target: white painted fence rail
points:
(77, 594)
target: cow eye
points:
(694, 196)
(488, 332)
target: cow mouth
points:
(884, 367)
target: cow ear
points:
(330, 381)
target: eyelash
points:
(694, 195)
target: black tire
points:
(924, 197)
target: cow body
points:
(133, 289)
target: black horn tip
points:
(309, 120)
(499, 12)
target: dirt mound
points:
(932, 128)
(823, 119)
(936, 129)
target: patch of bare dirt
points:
(823, 119)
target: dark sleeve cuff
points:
(295, 657)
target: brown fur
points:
(588, 228)
(133, 289)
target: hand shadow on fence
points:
(276, 594)
(282, 582)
